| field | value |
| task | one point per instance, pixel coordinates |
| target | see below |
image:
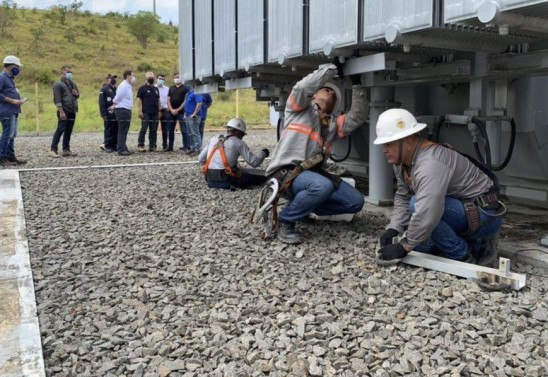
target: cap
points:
(109, 76)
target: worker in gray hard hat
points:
(313, 121)
(447, 203)
(219, 159)
(10, 108)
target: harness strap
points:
(472, 216)
(221, 148)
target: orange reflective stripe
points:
(305, 130)
(341, 119)
(209, 158)
(294, 106)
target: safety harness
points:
(221, 148)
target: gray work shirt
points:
(436, 172)
(234, 148)
(63, 97)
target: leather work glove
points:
(339, 66)
(266, 153)
(394, 251)
(387, 236)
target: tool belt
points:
(472, 207)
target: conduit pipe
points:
(490, 13)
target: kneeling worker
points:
(312, 123)
(446, 201)
(219, 159)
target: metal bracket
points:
(369, 63)
(468, 270)
(207, 88)
(242, 83)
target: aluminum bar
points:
(466, 270)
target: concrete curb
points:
(20, 342)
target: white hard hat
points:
(396, 124)
(10, 59)
(237, 124)
(338, 107)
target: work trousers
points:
(111, 131)
(172, 123)
(448, 239)
(64, 128)
(123, 118)
(312, 192)
(150, 123)
(219, 179)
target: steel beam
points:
(243, 83)
(468, 270)
(207, 88)
(369, 63)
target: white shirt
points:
(124, 96)
(163, 95)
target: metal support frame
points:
(207, 88)
(370, 63)
(243, 83)
(468, 270)
(380, 172)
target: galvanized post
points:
(380, 172)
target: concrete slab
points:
(20, 343)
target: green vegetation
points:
(94, 45)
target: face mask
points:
(68, 76)
(113, 82)
(150, 81)
(132, 80)
(15, 71)
(177, 81)
(160, 82)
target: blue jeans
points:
(315, 193)
(193, 126)
(202, 127)
(447, 238)
(150, 123)
(172, 122)
(7, 140)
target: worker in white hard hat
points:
(446, 202)
(312, 122)
(219, 159)
(10, 108)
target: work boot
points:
(68, 153)
(288, 234)
(53, 154)
(140, 148)
(18, 161)
(488, 250)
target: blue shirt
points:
(7, 89)
(206, 102)
(192, 100)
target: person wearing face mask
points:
(122, 106)
(163, 90)
(175, 106)
(312, 123)
(10, 108)
(65, 97)
(106, 95)
(148, 103)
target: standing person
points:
(148, 103)
(106, 95)
(123, 105)
(163, 108)
(193, 106)
(10, 108)
(446, 202)
(207, 101)
(311, 125)
(175, 105)
(220, 159)
(65, 97)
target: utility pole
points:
(154, 6)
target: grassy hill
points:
(95, 45)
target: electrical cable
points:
(487, 146)
(332, 156)
(510, 147)
(515, 253)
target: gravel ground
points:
(35, 149)
(146, 272)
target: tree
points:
(7, 14)
(143, 26)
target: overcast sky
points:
(166, 9)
